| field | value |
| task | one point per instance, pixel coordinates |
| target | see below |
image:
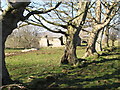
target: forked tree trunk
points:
(70, 56)
(95, 32)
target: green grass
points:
(42, 69)
(12, 51)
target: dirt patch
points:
(16, 53)
(10, 54)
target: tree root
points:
(13, 86)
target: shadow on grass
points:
(97, 79)
(53, 82)
(56, 79)
(62, 78)
(40, 83)
(85, 64)
(109, 86)
(113, 53)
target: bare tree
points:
(24, 37)
(9, 18)
(99, 19)
(72, 24)
(114, 25)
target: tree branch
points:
(57, 24)
(108, 15)
(85, 14)
(40, 12)
(64, 13)
(86, 8)
(35, 24)
(60, 17)
(102, 25)
(13, 6)
(42, 25)
(85, 30)
(54, 30)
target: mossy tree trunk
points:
(70, 56)
(73, 30)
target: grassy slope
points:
(42, 69)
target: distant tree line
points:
(24, 37)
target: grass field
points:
(42, 69)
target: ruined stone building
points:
(51, 41)
(54, 41)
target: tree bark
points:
(94, 35)
(107, 37)
(70, 56)
(9, 20)
(99, 41)
(113, 43)
(7, 27)
(5, 75)
(91, 45)
(90, 50)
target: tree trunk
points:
(90, 50)
(113, 43)
(5, 75)
(5, 32)
(95, 32)
(107, 37)
(9, 20)
(70, 56)
(99, 41)
(99, 24)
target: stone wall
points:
(43, 42)
(55, 42)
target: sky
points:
(3, 3)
